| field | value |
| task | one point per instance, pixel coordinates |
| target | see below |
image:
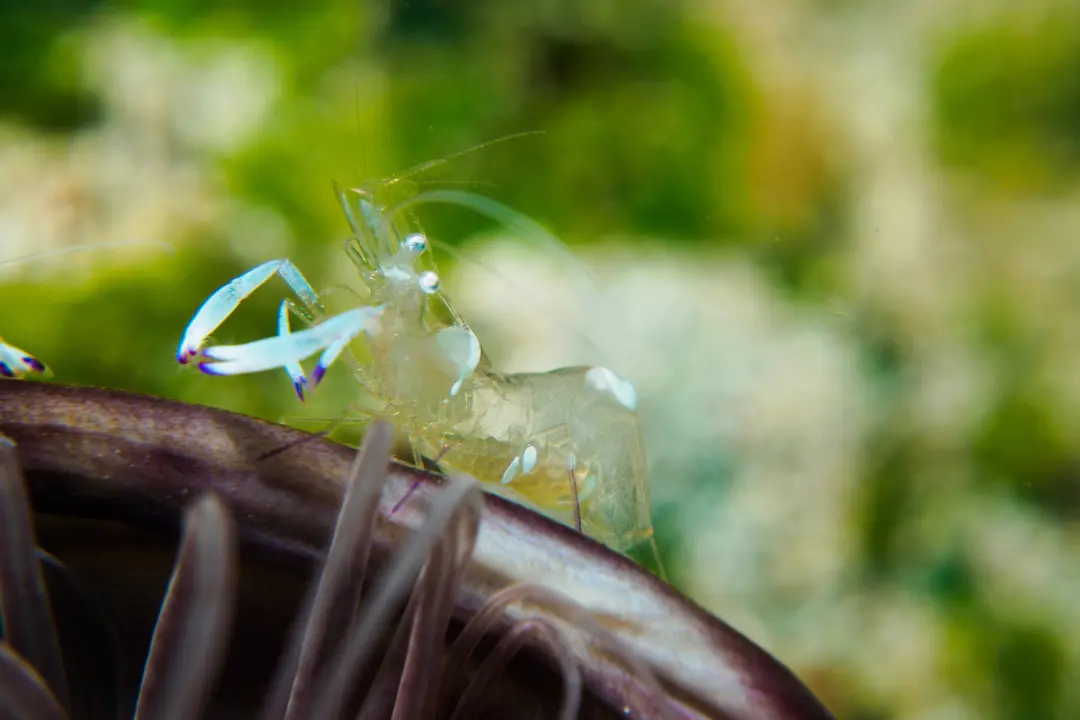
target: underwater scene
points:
(781, 299)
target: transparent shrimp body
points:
(418, 361)
(566, 442)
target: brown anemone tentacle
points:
(338, 591)
(28, 627)
(193, 630)
(23, 693)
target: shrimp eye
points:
(416, 243)
(429, 282)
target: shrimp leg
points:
(16, 363)
(571, 472)
(292, 368)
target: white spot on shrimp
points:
(511, 471)
(604, 380)
(528, 459)
(462, 349)
(429, 282)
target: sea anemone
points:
(455, 605)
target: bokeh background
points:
(836, 243)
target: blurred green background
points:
(842, 241)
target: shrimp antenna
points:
(512, 220)
(425, 166)
(356, 119)
(84, 248)
(503, 214)
(377, 234)
(459, 183)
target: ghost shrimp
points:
(566, 442)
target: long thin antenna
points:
(356, 119)
(85, 248)
(385, 232)
(516, 222)
(425, 166)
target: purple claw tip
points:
(299, 387)
(317, 375)
(34, 364)
(209, 368)
(6, 371)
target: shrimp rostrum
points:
(566, 442)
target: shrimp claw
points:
(17, 363)
(331, 336)
(219, 306)
(287, 348)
